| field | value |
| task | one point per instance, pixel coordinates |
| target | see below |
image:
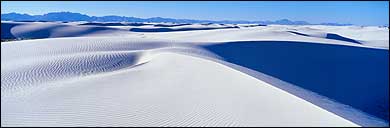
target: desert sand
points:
(154, 74)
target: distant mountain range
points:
(70, 17)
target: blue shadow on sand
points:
(173, 30)
(46, 32)
(330, 36)
(116, 24)
(338, 37)
(168, 25)
(355, 76)
(6, 30)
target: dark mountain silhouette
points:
(288, 22)
(70, 16)
(16, 16)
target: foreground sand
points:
(155, 79)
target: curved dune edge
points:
(328, 36)
(347, 112)
(53, 105)
(326, 69)
(154, 30)
(53, 101)
(372, 37)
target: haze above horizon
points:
(354, 12)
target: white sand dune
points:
(38, 30)
(115, 77)
(373, 37)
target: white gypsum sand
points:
(126, 78)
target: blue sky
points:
(355, 12)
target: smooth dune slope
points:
(111, 74)
(39, 30)
(159, 92)
(6, 30)
(329, 70)
(373, 37)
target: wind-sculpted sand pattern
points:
(93, 85)
(33, 67)
(153, 81)
(177, 29)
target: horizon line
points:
(196, 19)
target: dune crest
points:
(101, 74)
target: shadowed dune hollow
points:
(116, 24)
(48, 31)
(6, 30)
(330, 36)
(173, 30)
(351, 75)
(354, 76)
